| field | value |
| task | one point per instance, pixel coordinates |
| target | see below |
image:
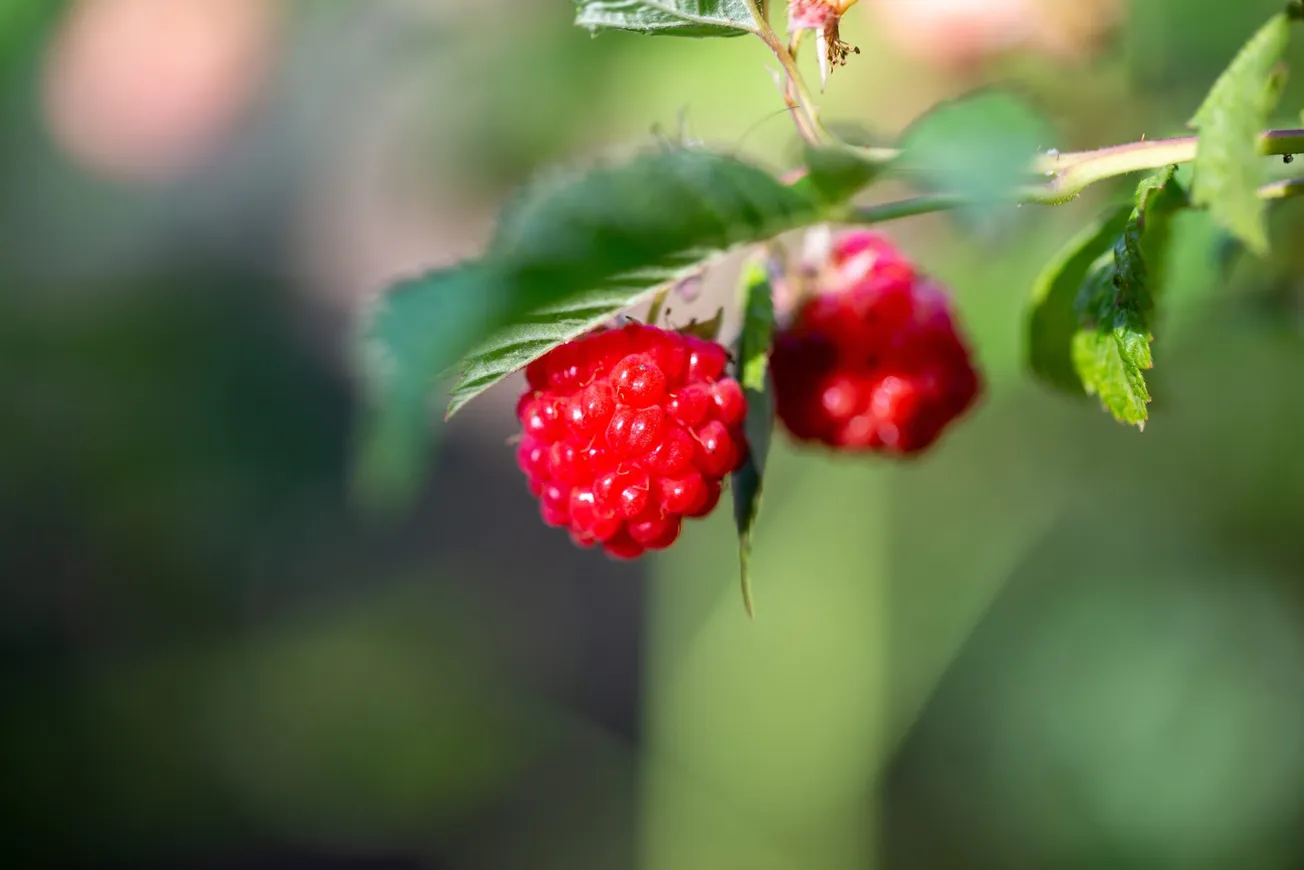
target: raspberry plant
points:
(576, 249)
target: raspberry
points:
(875, 361)
(627, 431)
(639, 381)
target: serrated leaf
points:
(566, 257)
(695, 18)
(1111, 349)
(1146, 236)
(612, 238)
(1228, 165)
(753, 351)
(980, 148)
(537, 332)
(1053, 319)
(1111, 356)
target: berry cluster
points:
(626, 432)
(874, 360)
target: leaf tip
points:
(744, 558)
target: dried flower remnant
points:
(823, 17)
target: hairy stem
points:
(1074, 172)
(935, 202)
(795, 93)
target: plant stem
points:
(903, 208)
(1075, 171)
(795, 92)
(935, 202)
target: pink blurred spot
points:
(144, 90)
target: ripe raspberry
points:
(873, 362)
(627, 432)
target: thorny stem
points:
(1074, 172)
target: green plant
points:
(573, 250)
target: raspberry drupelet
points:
(874, 360)
(627, 431)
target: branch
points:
(795, 92)
(1075, 171)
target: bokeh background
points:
(1054, 642)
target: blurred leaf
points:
(1228, 166)
(369, 722)
(22, 21)
(1053, 319)
(1111, 350)
(658, 305)
(413, 334)
(979, 147)
(753, 372)
(667, 17)
(611, 219)
(836, 174)
(568, 254)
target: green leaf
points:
(1111, 356)
(667, 17)
(1145, 238)
(569, 254)
(980, 148)
(414, 332)
(1111, 349)
(579, 252)
(1053, 319)
(753, 354)
(1228, 165)
(536, 332)
(615, 219)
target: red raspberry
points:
(874, 362)
(627, 432)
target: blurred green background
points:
(1054, 642)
